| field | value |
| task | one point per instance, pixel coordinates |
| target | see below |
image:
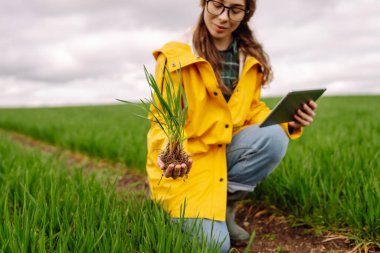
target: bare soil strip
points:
(273, 232)
(107, 171)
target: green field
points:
(330, 178)
(44, 208)
(111, 132)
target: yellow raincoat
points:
(211, 123)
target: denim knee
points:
(272, 141)
(253, 154)
(276, 143)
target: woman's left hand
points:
(304, 116)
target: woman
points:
(223, 68)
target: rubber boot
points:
(237, 233)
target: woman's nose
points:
(224, 15)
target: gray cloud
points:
(79, 51)
(322, 43)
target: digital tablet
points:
(288, 105)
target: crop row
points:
(44, 207)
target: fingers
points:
(190, 164)
(312, 104)
(308, 110)
(169, 171)
(183, 170)
(294, 125)
(301, 121)
(175, 171)
(305, 115)
(303, 118)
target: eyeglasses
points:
(234, 13)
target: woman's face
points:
(222, 24)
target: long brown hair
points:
(202, 41)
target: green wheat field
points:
(329, 179)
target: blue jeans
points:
(214, 231)
(251, 156)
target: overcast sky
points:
(93, 51)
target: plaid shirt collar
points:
(232, 48)
(230, 66)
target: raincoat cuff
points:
(295, 134)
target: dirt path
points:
(273, 232)
(106, 171)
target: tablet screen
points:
(288, 105)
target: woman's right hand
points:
(175, 170)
